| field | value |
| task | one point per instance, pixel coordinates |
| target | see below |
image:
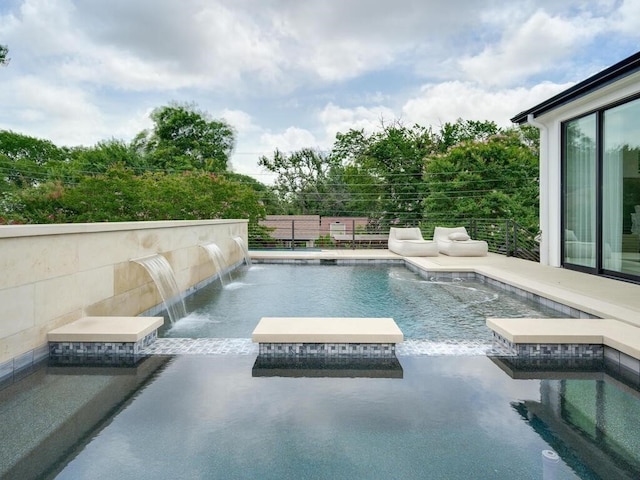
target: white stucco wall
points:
(54, 274)
(550, 125)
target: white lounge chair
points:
(456, 242)
(408, 242)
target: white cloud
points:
(56, 112)
(627, 18)
(336, 119)
(292, 139)
(240, 120)
(446, 102)
(529, 49)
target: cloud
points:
(52, 111)
(529, 49)
(336, 119)
(292, 139)
(240, 120)
(446, 102)
(626, 19)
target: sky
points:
(290, 74)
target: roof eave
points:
(620, 70)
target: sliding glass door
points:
(601, 191)
(579, 173)
(621, 189)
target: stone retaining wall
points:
(55, 274)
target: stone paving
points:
(244, 346)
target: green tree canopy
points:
(105, 154)
(121, 195)
(452, 134)
(184, 138)
(26, 161)
(304, 180)
(494, 178)
(391, 163)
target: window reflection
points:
(580, 192)
(621, 189)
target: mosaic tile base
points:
(553, 350)
(361, 350)
(81, 349)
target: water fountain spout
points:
(216, 255)
(245, 250)
(160, 271)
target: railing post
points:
(293, 234)
(353, 234)
(506, 238)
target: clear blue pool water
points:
(435, 310)
(447, 418)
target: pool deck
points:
(598, 296)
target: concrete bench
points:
(562, 337)
(327, 336)
(103, 337)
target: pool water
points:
(446, 418)
(434, 310)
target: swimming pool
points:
(195, 417)
(231, 416)
(439, 309)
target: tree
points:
(452, 134)
(394, 159)
(496, 178)
(4, 51)
(184, 138)
(121, 195)
(105, 154)
(266, 195)
(26, 161)
(304, 180)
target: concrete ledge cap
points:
(105, 329)
(606, 331)
(326, 330)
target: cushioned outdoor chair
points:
(455, 242)
(408, 242)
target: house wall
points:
(286, 227)
(348, 222)
(550, 125)
(55, 274)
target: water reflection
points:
(586, 414)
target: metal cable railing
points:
(291, 232)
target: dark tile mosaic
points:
(361, 350)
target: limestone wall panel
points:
(26, 260)
(17, 309)
(54, 274)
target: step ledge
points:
(106, 329)
(605, 331)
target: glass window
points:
(579, 171)
(621, 189)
